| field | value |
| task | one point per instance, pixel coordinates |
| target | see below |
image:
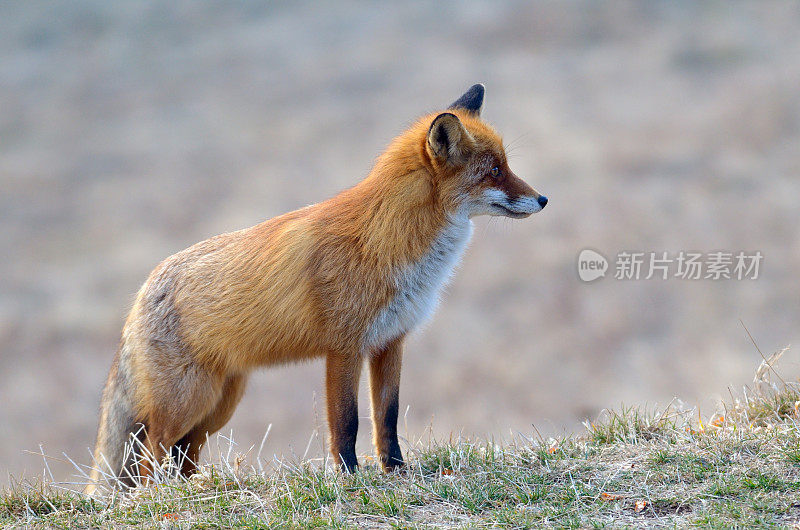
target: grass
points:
(738, 468)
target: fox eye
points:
(495, 172)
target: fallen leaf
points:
(237, 462)
(610, 496)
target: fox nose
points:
(542, 200)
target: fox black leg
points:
(342, 374)
(384, 382)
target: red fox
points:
(346, 279)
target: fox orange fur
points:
(345, 279)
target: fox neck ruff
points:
(419, 284)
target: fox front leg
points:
(384, 383)
(341, 381)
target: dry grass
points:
(740, 467)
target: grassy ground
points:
(740, 467)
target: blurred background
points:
(129, 131)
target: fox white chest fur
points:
(419, 286)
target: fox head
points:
(468, 163)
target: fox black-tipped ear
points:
(447, 138)
(471, 100)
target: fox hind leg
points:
(176, 406)
(186, 451)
